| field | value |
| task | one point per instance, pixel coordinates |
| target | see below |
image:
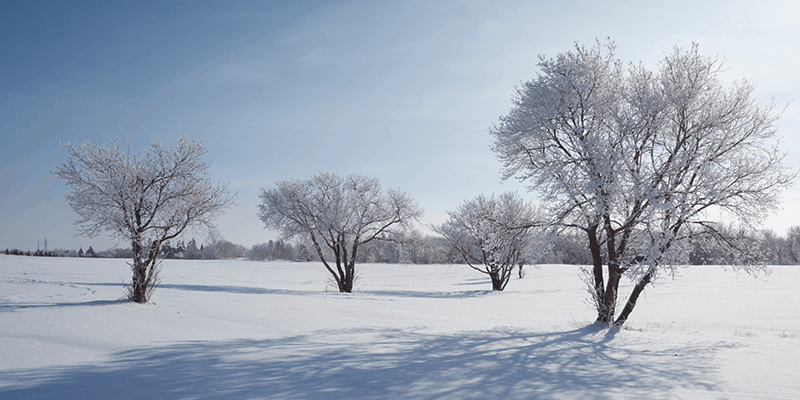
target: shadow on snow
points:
(372, 363)
(20, 306)
(5, 307)
(391, 293)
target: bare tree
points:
(495, 235)
(337, 215)
(638, 160)
(144, 198)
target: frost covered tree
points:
(146, 198)
(641, 160)
(495, 235)
(225, 250)
(337, 215)
(260, 252)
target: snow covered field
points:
(240, 329)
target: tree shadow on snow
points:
(21, 306)
(430, 294)
(7, 307)
(386, 364)
(236, 289)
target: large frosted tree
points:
(146, 199)
(642, 160)
(337, 215)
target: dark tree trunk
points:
(137, 292)
(609, 299)
(497, 282)
(344, 274)
(145, 271)
(350, 267)
(597, 270)
(608, 302)
(500, 276)
(637, 290)
(349, 278)
(345, 266)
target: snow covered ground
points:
(240, 329)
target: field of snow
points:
(240, 329)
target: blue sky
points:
(402, 91)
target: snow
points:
(240, 329)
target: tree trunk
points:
(497, 282)
(137, 291)
(338, 278)
(609, 303)
(350, 267)
(597, 270)
(609, 300)
(145, 271)
(499, 276)
(637, 290)
(349, 278)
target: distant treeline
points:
(54, 253)
(567, 248)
